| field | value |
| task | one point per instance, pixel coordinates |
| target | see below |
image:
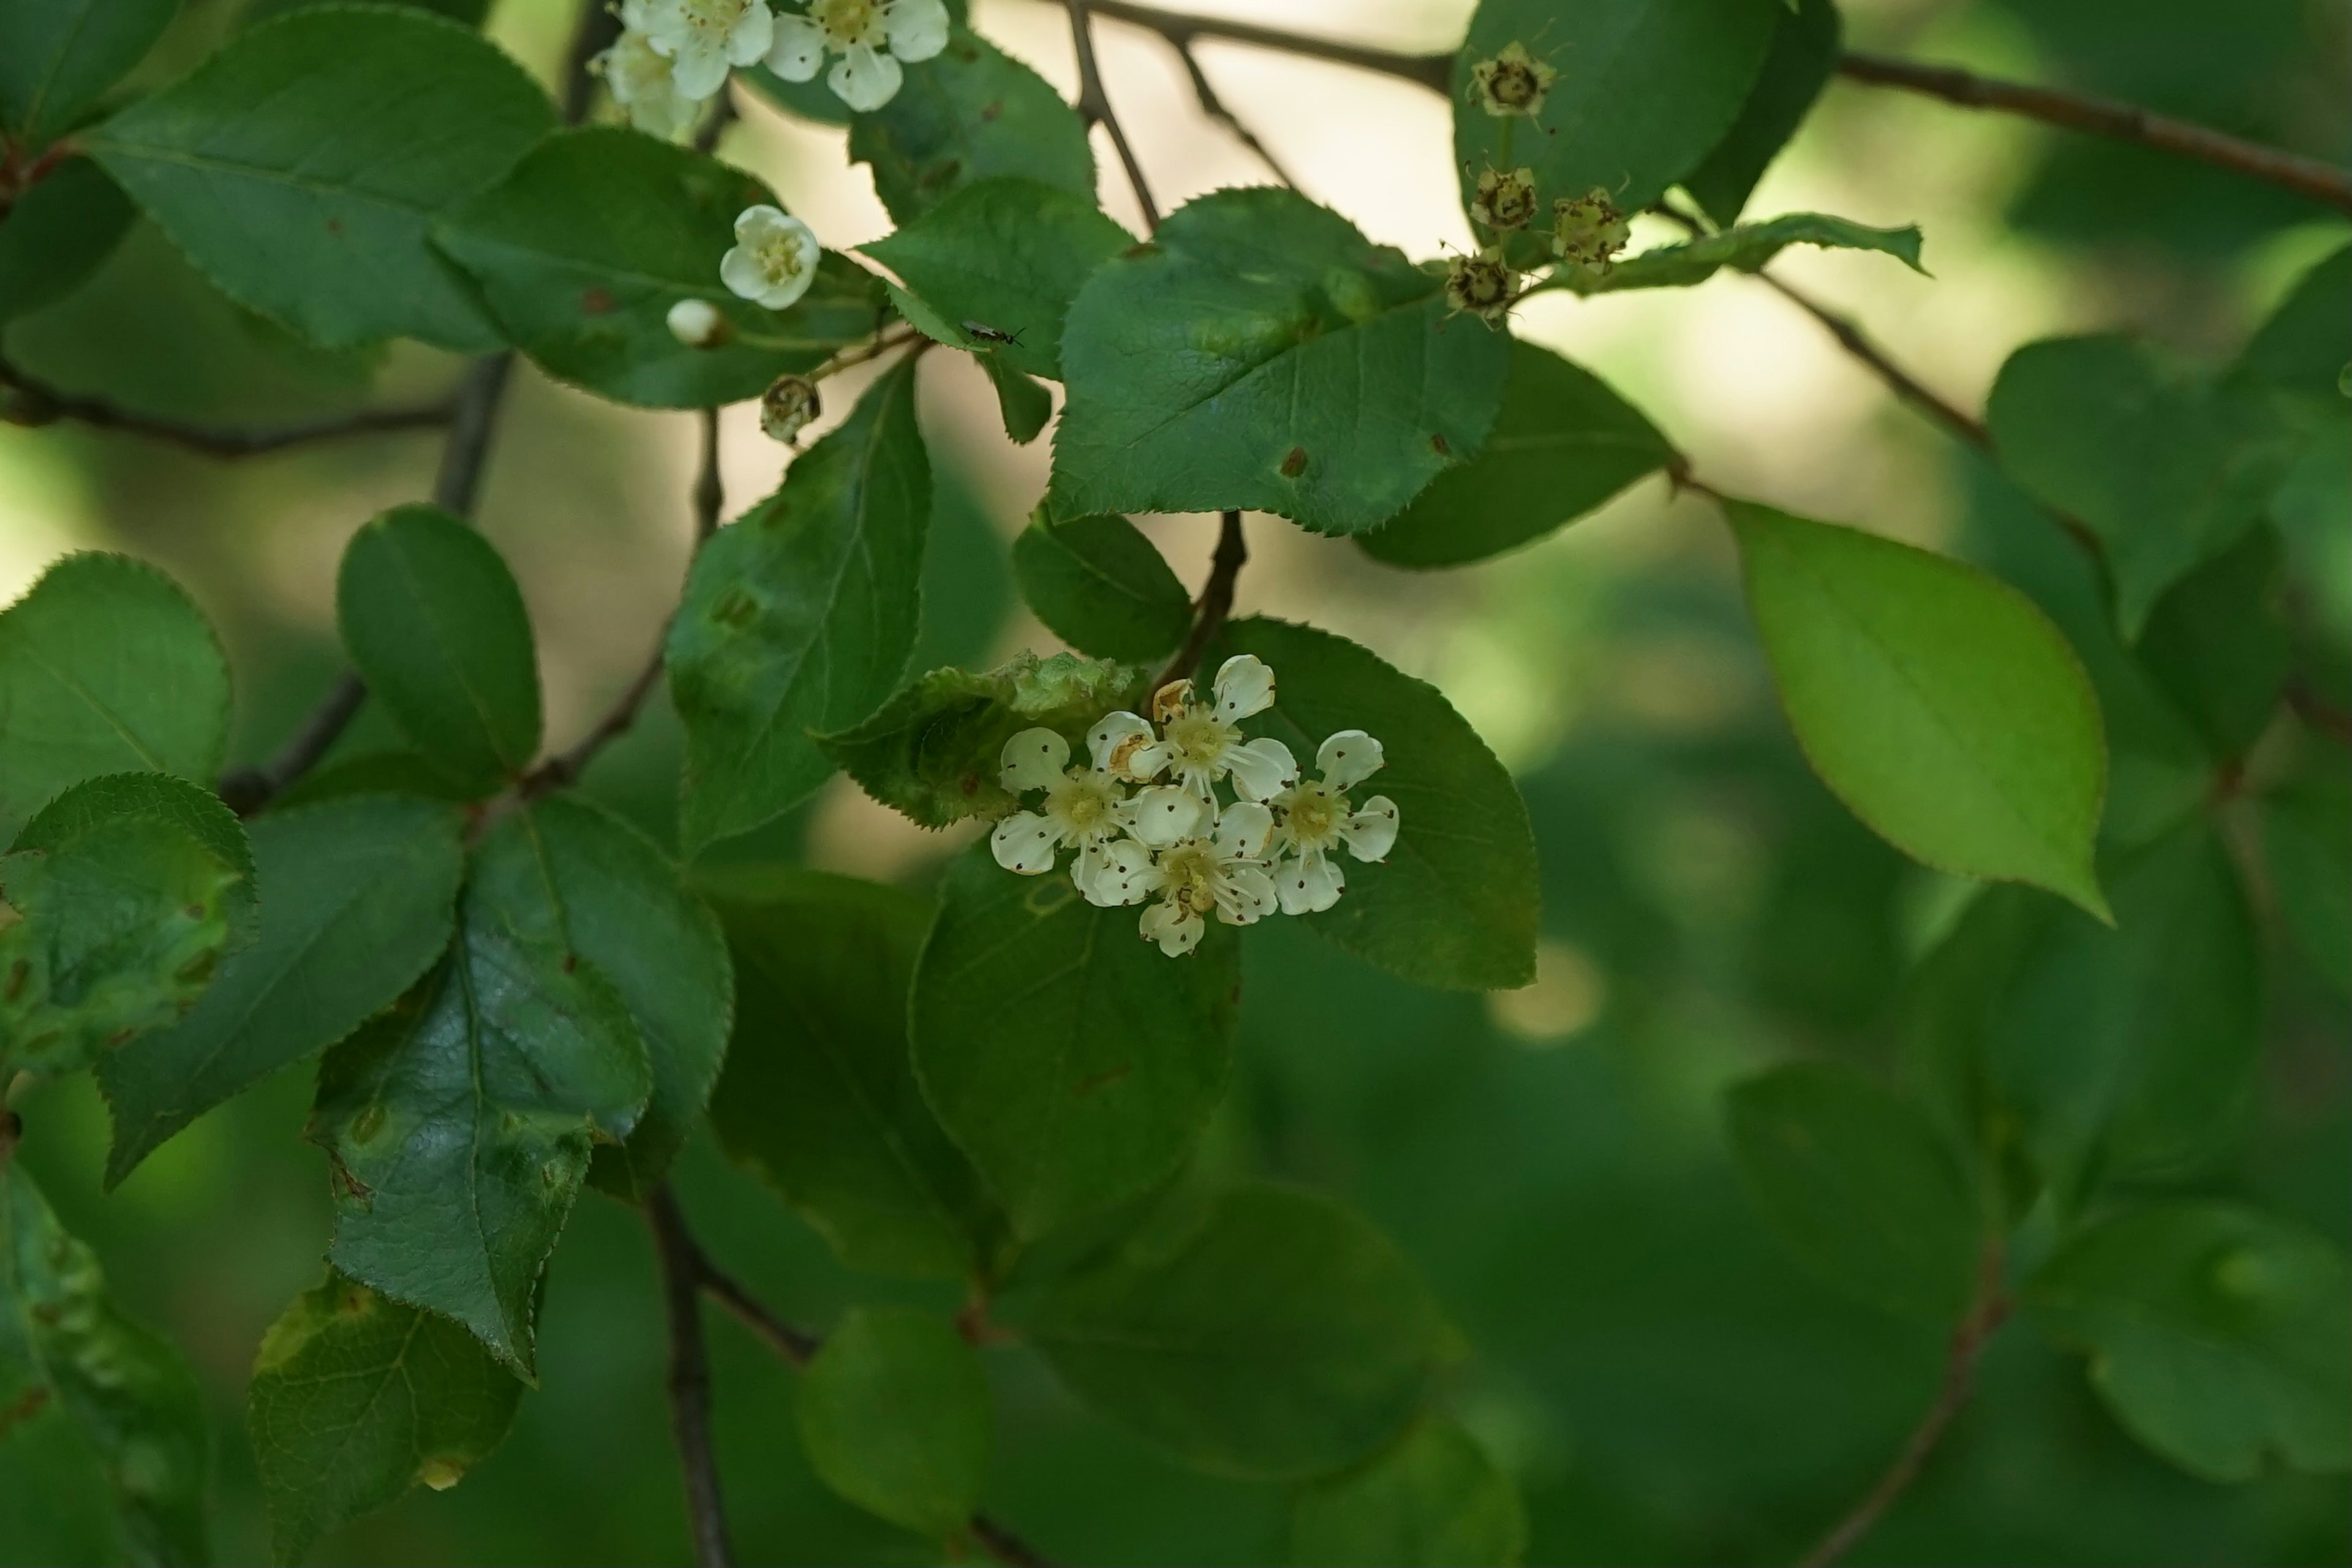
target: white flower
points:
(1226, 872)
(703, 37)
(1200, 743)
(1087, 810)
(871, 36)
(644, 83)
(696, 323)
(774, 257)
(1313, 818)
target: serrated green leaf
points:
(57, 234)
(1011, 254)
(2305, 347)
(1857, 1185)
(1746, 248)
(800, 618)
(2216, 1335)
(369, 772)
(934, 750)
(461, 1123)
(968, 115)
(2307, 843)
(583, 248)
(356, 1398)
(1937, 702)
(1021, 401)
(1261, 353)
(1645, 89)
(819, 1096)
(105, 667)
(56, 57)
(355, 903)
(1102, 587)
(300, 167)
(1563, 443)
(1433, 1497)
(128, 1391)
(127, 890)
(894, 1415)
(1073, 1061)
(2217, 644)
(1796, 68)
(1454, 903)
(1281, 1337)
(433, 619)
(2166, 467)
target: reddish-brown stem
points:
(37, 403)
(1093, 102)
(1216, 603)
(690, 1379)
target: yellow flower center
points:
(1200, 737)
(848, 22)
(1190, 869)
(1313, 813)
(1081, 802)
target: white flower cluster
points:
(673, 55)
(1274, 847)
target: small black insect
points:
(981, 331)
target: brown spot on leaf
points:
(1437, 443)
(1295, 463)
(595, 301)
(990, 109)
(1102, 1080)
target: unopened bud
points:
(1505, 201)
(1480, 283)
(788, 406)
(1513, 82)
(697, 324)
(1589, 231)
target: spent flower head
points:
(872, 37)
(1589, 231)
(1483, 284)
(1513, 82)
(1505, 201)
(787, 406)
(702, 38)
(774, 257)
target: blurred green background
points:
(1664, 1384)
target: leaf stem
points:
(1986, 1312)
(1093, 102)
(690, 1379)
(1217, 601)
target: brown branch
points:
(689, 1378)
(37, 403)
(1985, 1314)
(1432, 71)
(1216, 603)
(1093, 102)
(2104, 117)
(1205, 93)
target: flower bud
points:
(1513, 82)
(787, 406)
(697, 324)
(1480, 283)
(1505, 201)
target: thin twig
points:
(1432, 71)
(2104, 117)
(1986, 1313)
(37, 403)
(1214, 108)
(2317, 711)
(1093, 102)
(690, 1379)
(1217, 601)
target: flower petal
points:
(1161, 815)
(865, 79)
(1348, 759)
(698, 71)
(1025, 842)
(1248, 896)
(749, 38)
(743, 274)
(1110, 875)
(1177, 932)
(1372, 833)
(1308, 883)
(1032, 758)
(1262, 768)
(1244, 685)
(918, 28)
(1243, 831)
(797, 50)
(1119, 740)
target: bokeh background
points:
(1664, 1385)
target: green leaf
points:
(819, 1096)
(57, 234)
(300, 167)
(1021, 401)
(969, 114)
(1454, 904)
(603, 891)
(800, 618)
(1073, 1061)
(1563, 443)
(1744, 248)
(582, 250)
(1283, 1337)
(1010, 255)
(894, 1415)
(934, 750)
(1261, 353)
(1433, 1497)
(1799, 64)
(2165, 467)
(105, 667)
(469, 12)
(130, 1392)
(356, 1398)
(128, 890)
(2216, 1334)
(56, 57)
(2305, 347)
(1857, 1185)
(369, 772)
(2307, 843)
(462, 1122)
(1646, 89)
(434, 620)
(355, 898)
(1102, 587)
(2217, 644)
(1937, 702)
